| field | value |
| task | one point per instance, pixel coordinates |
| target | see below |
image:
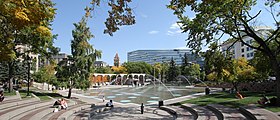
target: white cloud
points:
(144, 15)
(174, 29)
(174, 26)
(153, 32)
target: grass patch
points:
(6, 93)
(230, 100)
(43, 95)
(23, 94)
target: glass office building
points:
(160, 56)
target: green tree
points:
(24, 23)
(185, 67)
(138, 67)
(173, 71)
(215, 18)
(16, 17)
(164, 69)
(83, 56)
(241, 72)
(120, 14)
(103, 70)
(216, 63)
(46, 74)
(195, 71)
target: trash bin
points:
(160, 103)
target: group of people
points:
(60, 104)
(108, 104)
(266, 101)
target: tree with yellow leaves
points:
(119, 70)
(25, 22)
(20, 18)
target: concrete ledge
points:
(191, 110)
(219, 115)
(247, 113)
(68, 113)
(169, 110)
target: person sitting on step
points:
(264, 100)
(63, 104)
(238, 95)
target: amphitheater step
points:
(16, 111)
(170, 111)
(182, 113)
(200, 113)
(29, 113)
(227, 113)
(16, 103)
(257, 113)
(66, 115)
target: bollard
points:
(142, 108)
(160, 103)
(207, 91)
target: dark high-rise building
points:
(160, 56)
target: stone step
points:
(10, 100)
(66, 115)
(9, 114)
(257, 113)
(81, 115)
(182, 113)
(55, 116)
(16, 103)
(29, 113)
(170, 111)
(227, 113)
(40, 113)
(200, 113)
(89, 112)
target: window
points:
(248, 48)
(242, 44)
(248, 55)
(242, 50)
(252, 54)
(242, 55)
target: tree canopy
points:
(19, 18)
(215, 18)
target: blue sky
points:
(155, 28)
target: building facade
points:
(57, 58)
(239, 49)
(100, 64)
(33, 57)
(160, 56)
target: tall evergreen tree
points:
(173, 71)
(83, 56)
(185, 66)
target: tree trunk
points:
(276, 69)
(48, 86)
(10, 77)
(235, 86)
(69, 93)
